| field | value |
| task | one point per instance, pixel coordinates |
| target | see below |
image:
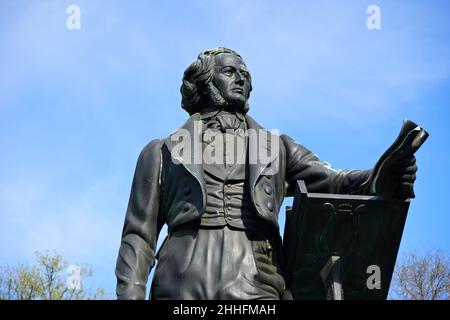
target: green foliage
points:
(48, 279)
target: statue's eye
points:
(228, 71)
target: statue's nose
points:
(240, 79)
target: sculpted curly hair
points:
(197, 89)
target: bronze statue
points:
(221, 204)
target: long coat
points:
(168, 188)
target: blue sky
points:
(77, 106)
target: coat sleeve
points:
(319, 176)
(142, 226)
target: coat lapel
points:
(260, 149)
(185, 147)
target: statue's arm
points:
(319, 176)
(142, 226)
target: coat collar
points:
(210, 114)
(189, 153)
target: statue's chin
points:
(218, 101)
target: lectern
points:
(341, 246)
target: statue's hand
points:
(403, 176)
(395, 172)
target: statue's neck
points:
(221, 109)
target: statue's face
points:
(232, 79)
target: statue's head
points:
(217, 79)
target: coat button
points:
(270, 205)
(187, 191)
(268, 189)
(186, 207)
(228, 196)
